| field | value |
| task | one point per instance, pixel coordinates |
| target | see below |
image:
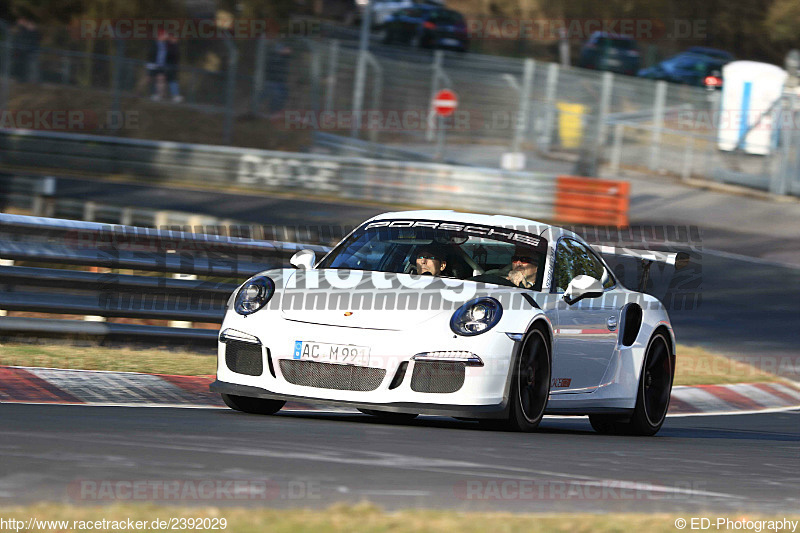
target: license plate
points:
(331, 353)
(451, 42)
(613, 62)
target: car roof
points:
(435, 7)
(502, 221)
(697, 57)
(611, 35)
(713, 52)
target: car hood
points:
(371, 300)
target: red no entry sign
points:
(445, 102)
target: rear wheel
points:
(530, 386)
(257, 406)
(652, 400)
(389, 416)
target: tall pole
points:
(361, 68)
(230, 89)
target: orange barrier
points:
(592, 201)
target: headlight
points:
(254, 295)
(476, 316)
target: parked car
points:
(688, 68)
(711, 52)
(611, 52)
(494, 318)
(427, 26)
(383, 9)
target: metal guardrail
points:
(340, 145)
(111, 289)
(527, 194)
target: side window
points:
(574, 259)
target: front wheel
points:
(530, 385)
(652, 399)
(257, 406)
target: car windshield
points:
(476, 252)
(443, 16)
(618, 43)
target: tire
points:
(256, 406)
(530, 385)
(387, 38)
(389, 416)
(652, 398)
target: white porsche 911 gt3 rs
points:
(510, 320)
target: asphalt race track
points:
(707, 463)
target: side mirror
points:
(582, 287)
(304, 259)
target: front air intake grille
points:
(244, 358)
(429, 376)
(328, 376)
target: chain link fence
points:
(599, 122)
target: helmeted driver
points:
(430, 261)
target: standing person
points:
(277, 76)
(25, 48)
(163, 67)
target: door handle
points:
(612, 323)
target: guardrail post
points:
(89, 210)
(66, 70)
(524, 104)
(592, 140)
(182, 323)
(780, 176)
(658, 123)
(688, 154)
(361, 69)
(258, 75)
(546, 139)
(377, 90)
(438, 59)
(333, 61)
(96, 318)
(126, 216)
(316, 76)
(230, 89)
(605, 106)
(5, 65)
(116, 83)
(8, 263)
(616, 150)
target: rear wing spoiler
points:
(678, 259)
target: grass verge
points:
(696, 366)
(367, 518)
(154, 361)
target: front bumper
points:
(463, 411)
(483, 389)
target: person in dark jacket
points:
(277, 74)
(163, 67)
(25, 42)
